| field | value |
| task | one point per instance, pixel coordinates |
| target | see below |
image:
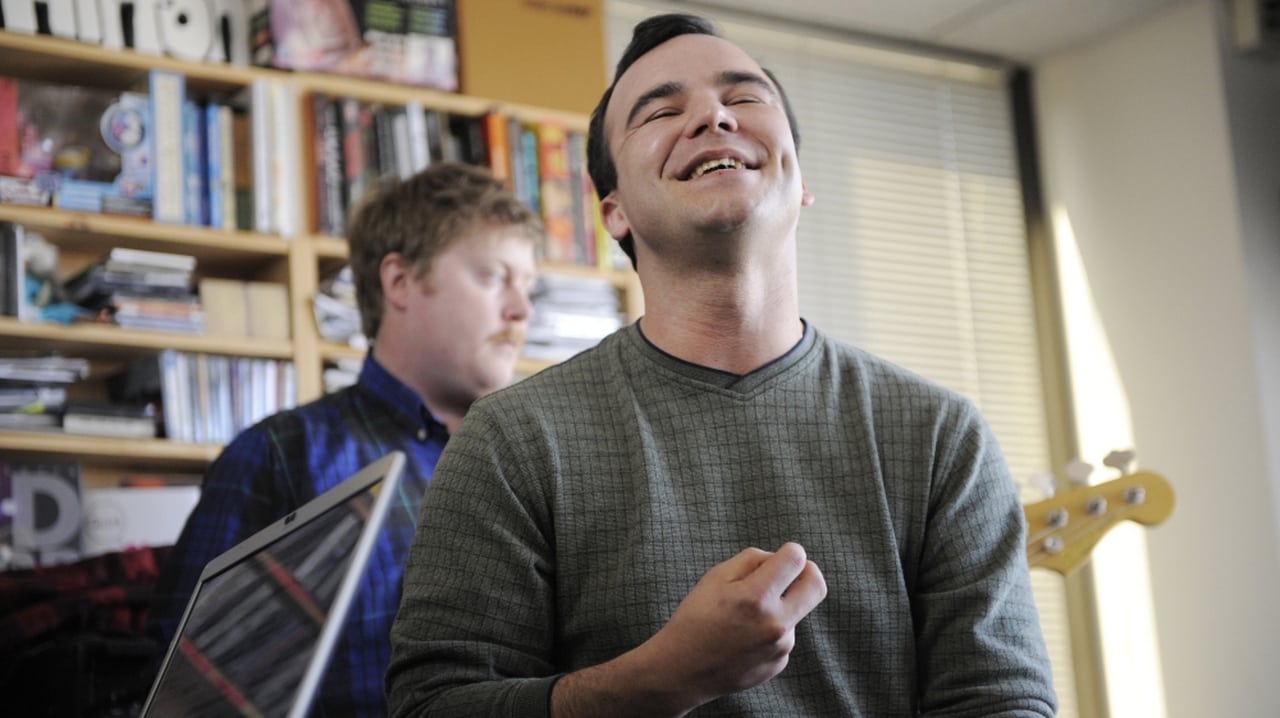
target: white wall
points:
(1163, 147)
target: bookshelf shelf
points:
(107, 341)
(151, 454)
(86, 233)
(55, 59)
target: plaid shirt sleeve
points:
(233, 505)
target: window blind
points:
(916, 248)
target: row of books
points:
(150, 152)
(207, 398)
(546, 165)
(34, 397)
(186, 397)
(357, 142)
(158, 152)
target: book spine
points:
(168, 93)
(10, 155)
(213, 167)
(557, 192)
(316, 160)
(354, 160)
(261, 130)
(230, 166)
(400, 131)
(334, 186)
(584, 226)
(195, 164)
(497, 145)
(419, 145)
(385, 140)
(286, 155)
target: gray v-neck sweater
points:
(572, 512)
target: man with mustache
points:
(719, 510)
(443, 264)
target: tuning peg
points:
(1121, 460)
(1077, 472)
(1043, 482)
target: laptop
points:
(265, 615)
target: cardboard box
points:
(545, 53)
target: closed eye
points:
(664, 112)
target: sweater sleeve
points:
(475, 631)
(980, 647)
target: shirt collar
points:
(402, 401)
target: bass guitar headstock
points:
(1062, 530)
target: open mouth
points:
(716, 165)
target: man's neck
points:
(398, 367)
(735, 324)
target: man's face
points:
(466, 319)
(701, 142)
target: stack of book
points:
(570, 314)
(33, 390)
(127, 421)
(140, 289)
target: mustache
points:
(514, 335)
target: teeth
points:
(725, 163)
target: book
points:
(243, 167)
(43, 369)
(13, 271)
(127, 258)
(168, 94)
(557, 192)
(286, 156)
(494, 126)
(220, 166)
(584, 221)
(195, 158)
(330, 206)
(418, 139)
(115, 420)
(359, 166)
(262, 131)
(32, 398)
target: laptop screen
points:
(264, 617)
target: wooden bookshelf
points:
(300, 262)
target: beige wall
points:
(1162, 147)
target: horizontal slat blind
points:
(916, 247)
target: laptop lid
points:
(265, 615)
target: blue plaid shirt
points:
(282, 462)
